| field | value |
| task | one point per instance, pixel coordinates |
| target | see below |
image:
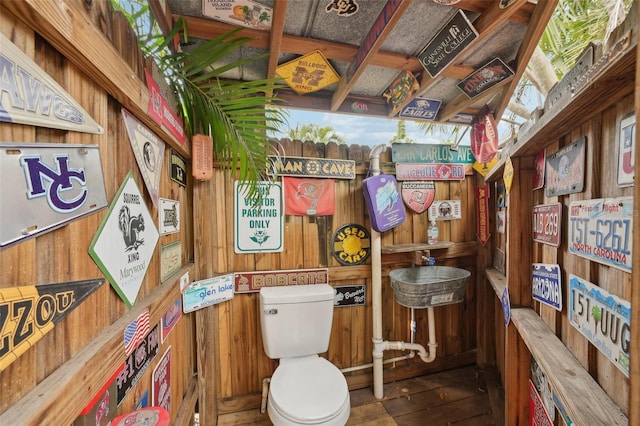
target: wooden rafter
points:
(382, 27)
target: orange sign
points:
(482, 198)
(308, 73)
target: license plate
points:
(602, 230)
(603, 318)
(547, 223)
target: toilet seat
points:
(308, 390)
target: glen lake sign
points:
(430, 153)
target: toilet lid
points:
(308, 389)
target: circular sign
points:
(149, 416)
(351, 244)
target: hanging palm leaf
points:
(232, 112)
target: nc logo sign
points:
(64, 187)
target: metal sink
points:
(427, 286)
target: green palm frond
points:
(232, 112)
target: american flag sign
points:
(136, 330)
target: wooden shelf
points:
(584, 400)
(406, 248)
(497, 280)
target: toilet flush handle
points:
(271, 311)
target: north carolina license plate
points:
(602, 230)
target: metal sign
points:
(178, 169)
(448, 43)
(149, 416)
(135, 331)
(102, 407)
(506, 306)
(161, 112)
(485, 78)
(45, 185)
(259, 228)
(124, 244)
(421, 109)
(507, 174)
(445, 210)
(537, 411)
(601, 230)
(563, 90)
(252, 282)
(424, 171)
(484, 168)
(482, 200)
(245, 13)
(564, 172)
(211, 291)
(627, 150)
(351, 244)
(542, 385)
(137, 363)
(547, 223)
(34, 98)
(170, 259)
(312, 167)
(169, 216)
(170, 319)
(308, 73)
(539, 167)
(430, 153)
(402, 87)
(149, 152)
(499, 261)
(501, 196)
(602, 62)
(343, 7)
(501, 221)
(418, 195)
(603, 318)
(350, 295)
(27, 313)
(546, 284)
(161, 382)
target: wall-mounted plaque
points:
(445, 210)
(447, 44)
(546, 284)
(626, 150)
(312, 167)
(418, 195)
(259, 228)
(169, 216)
(350, 295)
(207, 292)
(564, 173)
(308, 73)
(45, 185)
(485, 78)
(252, 282)
(351, 244)
(246, 13)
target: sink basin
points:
(427, 286)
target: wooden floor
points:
(466, 396)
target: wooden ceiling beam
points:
(379, 31)
(275, 39)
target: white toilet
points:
(305, 389)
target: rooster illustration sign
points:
(125, 241)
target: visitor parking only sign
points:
(259, 227)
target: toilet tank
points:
(296, 319)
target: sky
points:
(360, 130)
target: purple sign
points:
(383, 202)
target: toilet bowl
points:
(305, 388)
(308, 390)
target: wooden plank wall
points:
(49, 382)
(241, 363)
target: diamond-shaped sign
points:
(125, 241)
(308, 73)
